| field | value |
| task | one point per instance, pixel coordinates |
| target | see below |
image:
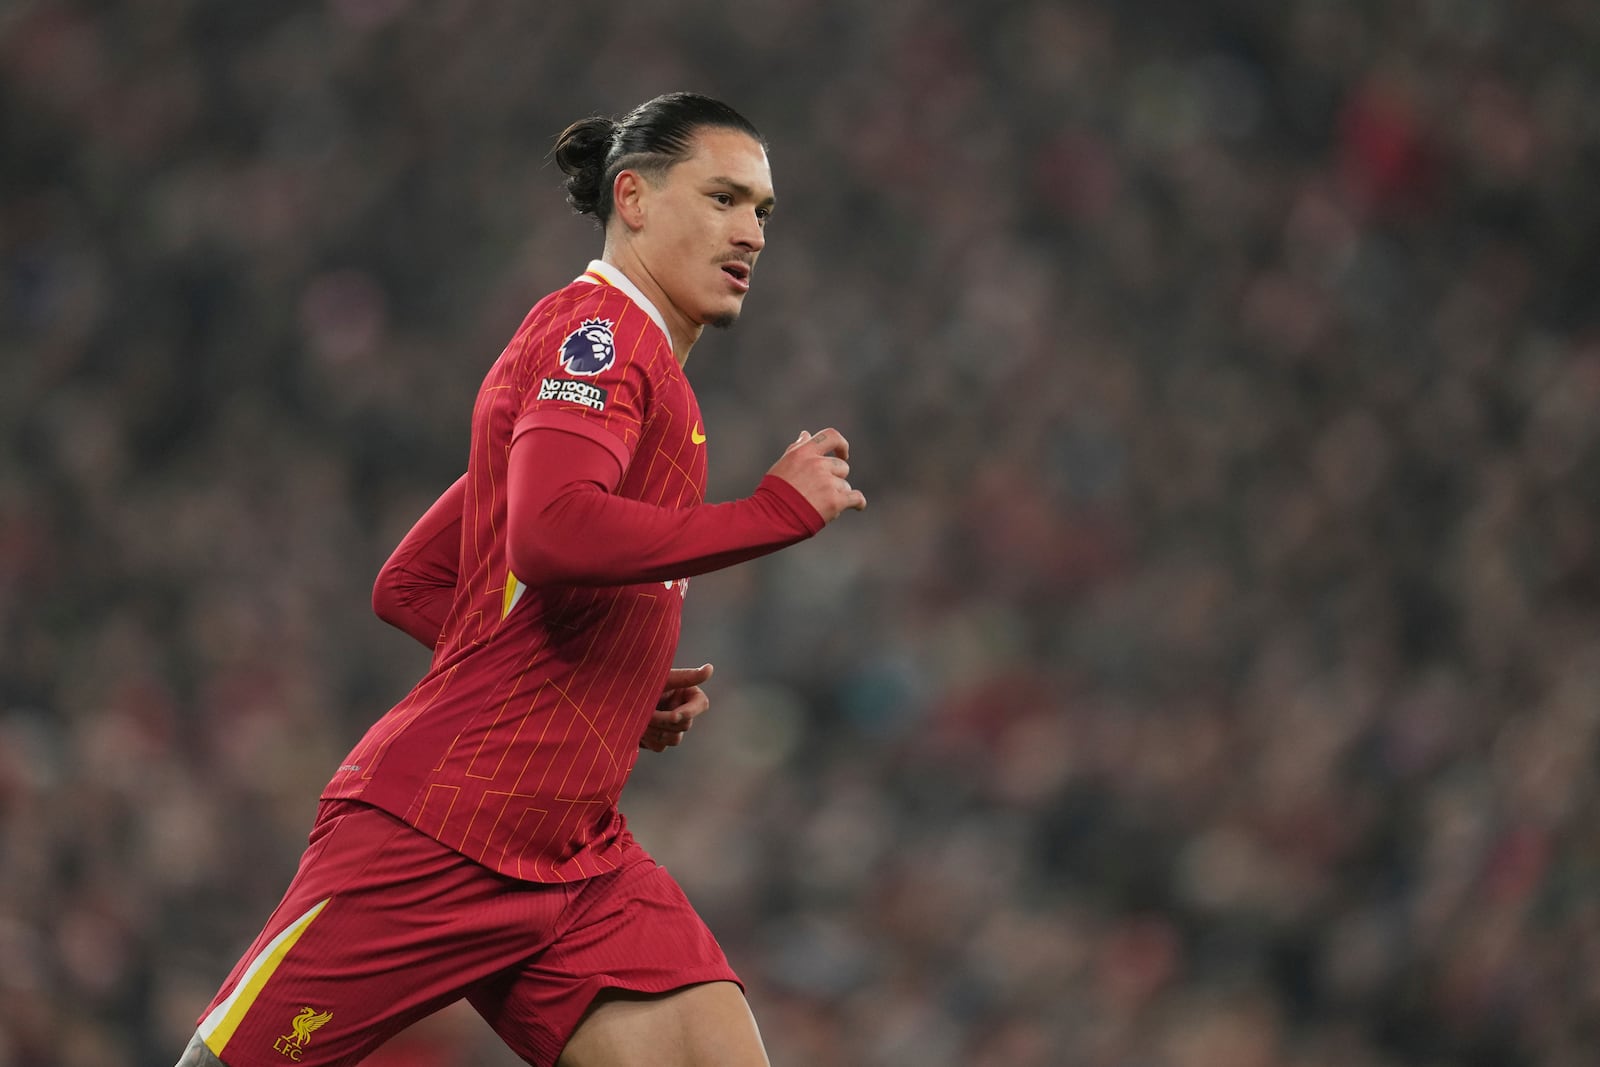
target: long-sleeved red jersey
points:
(577, 525)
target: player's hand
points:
(817, 465)
(682, 701)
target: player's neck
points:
(682, 331)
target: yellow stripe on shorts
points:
(217, 1028)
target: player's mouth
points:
(739, 274)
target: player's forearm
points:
(415, 587)
(587, 536)
(420, 616)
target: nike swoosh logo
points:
(696, 436)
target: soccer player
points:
(470, 844)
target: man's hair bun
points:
(581, 153)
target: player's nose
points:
(749, 234)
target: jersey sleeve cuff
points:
(548, 419)
(790, 498)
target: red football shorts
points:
(383, 925)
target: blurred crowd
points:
(1213, 680)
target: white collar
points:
(605, 272)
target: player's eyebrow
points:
(743, 190)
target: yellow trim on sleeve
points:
(513, 593)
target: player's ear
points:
(627, 198)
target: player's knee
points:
(197, 1055)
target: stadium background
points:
(1214, 680)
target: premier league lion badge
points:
(589, 349)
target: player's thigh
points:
(706, 1025)
(630, 929)
(381, 926)
(197, 1055)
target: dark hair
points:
(650, 139)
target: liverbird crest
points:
(308, 1021)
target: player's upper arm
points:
(545, 464)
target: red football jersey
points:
(515, 746)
